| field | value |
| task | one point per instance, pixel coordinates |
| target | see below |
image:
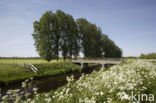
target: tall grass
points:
(10, 73)
(56, 68)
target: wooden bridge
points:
(98, 61)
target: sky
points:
(131, 24)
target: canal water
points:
(52, 83)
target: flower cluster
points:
(109, 86)
(19, 95)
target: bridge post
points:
(82, 65)
(103, 65)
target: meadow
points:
(21, 61)
(11, 73)
(114, 85)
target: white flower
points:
(33, 101)
(35, 90)
(31, 78)
(48, 100)
(46, 95)
(5, 97)
(101, 93)
(28, 100)
(24, 84)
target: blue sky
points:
(131, 24)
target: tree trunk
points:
(57, 58)
(64, 58)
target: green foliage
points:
(90, 38)
(58, 33)
(110, 49)
(21, 61)
(11, 73)
(114, 85)
(94, 43)
(56, 68)
(83, 26)
(69, 35)
(148, 56)
(55, 33)
(42, 36)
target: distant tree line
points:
(19, 57)
(130, 57)
(58, 34)
(148, 56)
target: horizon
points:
(130, 24)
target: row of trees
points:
(148, 56)
(58, 34)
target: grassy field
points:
(11, 73)
(32, 61)
(114, 85)
(108, 86)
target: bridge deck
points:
(102, 61)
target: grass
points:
(51, 69)
(11, 73)
(112, 86)
(21, 61)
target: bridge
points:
(98, 61)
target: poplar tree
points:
(63, 31)
(58, 33)
(90, 39)
(42, 36)
(83, 27)
(73, 38)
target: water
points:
(52, 83)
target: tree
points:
(47, 36)
(42, 36)
(69, 35)
(84, 32)
(96, 42)
(73, 38)
(58, 33)
(63, 29)
(91, 44)
(109, 48)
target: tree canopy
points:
(58, 34)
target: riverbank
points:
(115, 85)
(11, 74)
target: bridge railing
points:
(111, 59)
